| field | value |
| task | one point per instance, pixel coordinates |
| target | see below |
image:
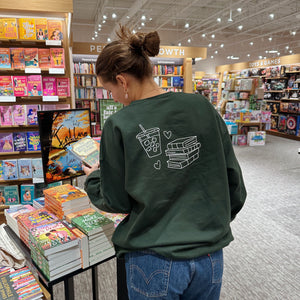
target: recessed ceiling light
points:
(187, 25)
(143, 17)
(216, 52)
(240, 27)
(260, 57)
(228, 57)
(189, 40)
(179, 44)
(103, 21)
(127, 17)
(278, 53)
(93, 38)
(213, 36)
(251, 43)
(210, 44)
(265, 57)
(293, 32)
(267, 51)
(203, 35)
(212, 56)
(104, 17)
(248, 55)
(99, 25)
(222, 45)
(287, 47)
(109, 40)
(114, 16)
(271, 16)
(219, 20)
(270, 39)
(272, 51)
(99, 28)
(150, 19)
(239, 9)
(143, 24)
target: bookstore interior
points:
(53, 108)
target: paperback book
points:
(10, 169)
(41, 29)
(57, 57)
(44, 58)
(31, 111)
(20, 141)
(19, 115)
(37, 169)
(11, 195)
(17, 58)
(1, 178)
(34, 85)
(55, 30)
(27, 28)
(49, 86)
(63, 87)
(6, 116)
(31, 57)
(20, 86)
(33, 141)
(24, 167)
(6, 86)
(9, 28)
(5, 58)
(6, 142)
(26, 193)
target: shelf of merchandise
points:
(284, 135)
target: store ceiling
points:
(169, 17)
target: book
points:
(1, 178)
(5, 58)
(52, 238)
(6, 142)
(6, 86)
(24, 168)
(34, 85)
(87, 150)
(10, 169)
(27, 29)
(19, 114)
(31, 57)
(20, 141)
(38, 202)
(17, 58)
(44, 58)
(37, 168)
(20, 85)
(2, 197)
(11, 194)
(79, 213)
(26, 193)
(49, 86)
(9, 28)
(57, 57)
(6, 116)
(31, 111)
(63, 87)
(55, 30)
(33, 141)
(41, 28)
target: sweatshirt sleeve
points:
(106, 186)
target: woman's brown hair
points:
(129, 54)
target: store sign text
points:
(264, 63)
(171, 52)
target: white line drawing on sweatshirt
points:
(157, 165)
(150, 141)
(182, 152)
(167, 134)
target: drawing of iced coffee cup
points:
(150, 141)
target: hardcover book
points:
(44, 58)
(27, 29)
(57, 57)
(26, 193)
(6, 116)
(41, 29)
(87, 150)
(63, 87)
(6, 142)
(31, 57)
(49, 86)
(19, 115)
(10, 169)
(9, 28)
(17, 58)
(31, 111)
(6, 86)
(55, 30)
(20, 141)
(33, 141)
(24, 167)
(34, 85)
(5, 58)
(20, 86)
(11, 195)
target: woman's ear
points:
(121, 79)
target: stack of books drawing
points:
(65, 199)
(33, 219)
(99, 231)
(54, 249)
(182, 152)
(12, 213)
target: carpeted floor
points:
(263, 262)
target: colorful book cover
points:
(41, 28)
(37, 168)
(10, 169)
(20, 141)
(34, 85)
(55, 30)
(44, 58)
(6, 115)
(49, 86)
(5, 58)
(24, 168)
(11, 195)
(19, 114)
(87, 150)
(20, 86)
(6, 86)
(17, 58)
(31, 112)
(9, 28)
(33, 141)
(1, 178)
(63, 87)
(26, 193)
(27, 29)
(6, 142)
(31, 57)
(57, 57)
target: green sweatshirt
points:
(168, 162)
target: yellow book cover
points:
(27, 28)
(8, 28)
(41, 28)
(55, 30)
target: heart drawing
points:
(167, 134)
(157, 165)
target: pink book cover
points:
(34, 85)
(31, 57)
(63, 87)
(6, 86)
(49, 86)
(57, 57)
(19, 115)
(20, 86)
(44, 58)
(6, 115)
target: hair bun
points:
(151, 43)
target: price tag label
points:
(56, 71)
(7, 99)
(50, 98)
(53, 43)
(33, 70)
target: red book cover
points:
(17, 58)
(6, 86)
(20, 86)
(44, 58)
(63, 87)
(57, 57)
(31, 57)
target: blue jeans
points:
(151, 276)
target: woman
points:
(167, 161)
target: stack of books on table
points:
(12, 213)
(65, 199)
(54, 249)
(33, 219)
(99, 230)
(38, 202)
